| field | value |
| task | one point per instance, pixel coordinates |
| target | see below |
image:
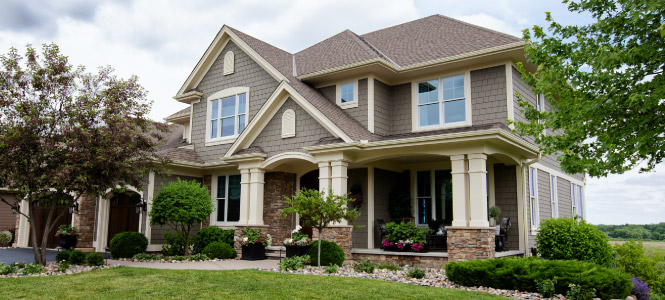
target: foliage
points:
(365, 265)
(211, 234)
(144, 256)
(635, 232)
(66, 133)
(63, 255)
(182, 205)
(293, 263)
(566, 238)
(546, 287)
(318, 209)
(32, 269)
(77, 257)
(127, 244)
(404, 236)
(220, 250)
(174, 245)
(331, 253)
(66, 230)
(655, 296)
(640, 289)
(605, 82)
(417, 273)
(94, 259)
(399, 203)
(7, 269)
(5, 238)
(494, 213)
(388, 266)
(577, 292)
(331, 269)
(252, 236)
(199, 256)
(297, 238)
(631, 259)
(524, 273)
(63, 266)
(177, 258)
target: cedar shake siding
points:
(505, 197)
(247, 74)
(488, 96)
(308, 132)
(384, 182)
(382, 108)
(400, 103)
(358, 113)
(359, 176)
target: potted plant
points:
(494, 215)
(68, 236)
(254, 244)
(298, 244)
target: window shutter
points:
(288, 124)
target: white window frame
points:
(533, 200)
(554, 196)
(217, 96)
(573, 198)
(338, 95)
(415, 111)
(540, 102)
(215, 199)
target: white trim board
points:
(559, 174)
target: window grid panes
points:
(533, 197)
(228, 198)
(346, 91)
(555, 201)
(228, 116)
(439, 107)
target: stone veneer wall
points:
(84, 221)
(342, 235)
(277, 186)
(466, 243)
(402, 260)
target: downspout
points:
(525, 174)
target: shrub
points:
(567, 238)
(293, 263)
(640, 289)
(94, 259)
(63, 255)
(546, 287)
(177, 258)
(32, 269)
(523, 274)
(211, 234)
(632, 259)
(63, 266)
(7, 269)
(174, 245)
(199, 256)
(144, 256)
(331, 253)
(364, 266)
(655, 296)
(417, 273)
(388, 266)
(5, 238)
(577, 292)
(220, 250)
(331, 269)
(127, 244)
(77, 257)
(403, 231)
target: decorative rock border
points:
(52, 270)
(167, 261)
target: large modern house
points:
(420, 109)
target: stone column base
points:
(466, 243)
(84, 221)
(342, 235)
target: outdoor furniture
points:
(437, 241)
(500, 239)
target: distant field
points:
(651, 248)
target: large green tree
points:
(606, 86)
(66, 133)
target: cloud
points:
(39, 17)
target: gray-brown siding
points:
(544, 196)
(384, 182)
(488, 96)
(247, 74)
(308, 132)
(565, 200)
(382, 108)
(359, 113)
(359, 176)
(400, 103)
(505, 198)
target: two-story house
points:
(421, 107)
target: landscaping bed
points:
(51, 269)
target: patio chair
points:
(381, 227)
(500, 239)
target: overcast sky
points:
(161, 42)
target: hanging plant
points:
(356, 195)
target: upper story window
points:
(227, 115)
(347, 94)
(443, 102)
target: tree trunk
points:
(318, 260)
(33, 233)
(186, 232)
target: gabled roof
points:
(183, 114)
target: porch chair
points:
(381, 227)
(500, 239)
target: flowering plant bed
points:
(51, 269)
(252, 236)
(404, 237)
(298, 244)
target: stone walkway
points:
(201, 265)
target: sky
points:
(161, 42)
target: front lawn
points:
(136, 283)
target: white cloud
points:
(491, 22)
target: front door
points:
(40, 214)
(122, 215)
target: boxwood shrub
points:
(94, 259)
(524, 274)
(211, 234)
(331, 253)
(128, 244)
(77, 257)
(566, 238)
(219, 250)
(63, 255)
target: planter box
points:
(297, 250)
(68, 242)
(253, 252)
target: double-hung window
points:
(228, 116)
(555, 201)
(227, 201)
(533, 198)
(442, 102)
(578, 203)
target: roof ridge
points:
(377, 50)
(362, 44)
(407, 22)
(262, 41)
(476, 26)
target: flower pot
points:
(297, 250)
(253, 252)
(68, 242)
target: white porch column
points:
(370, 207)
(339, 177)
(478, 190)
(23, 226)
(103, 223)
(324, 176)
(460, 206)
(519, 180)
(256, 196)
(244, 196)
(151, 194)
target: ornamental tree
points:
(606, 86)
(317, 209)
(66, 133)
(181, 205)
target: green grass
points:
(651, 248)
(136, 283)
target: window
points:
(424, 196)
(227, 204)
(555, 201)
(288, 124)
(578, 203)
(442, 102)
(435, 196)
(347, 95)
(228, 116)
(533, 199)
(540, 103)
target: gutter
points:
(525, 174)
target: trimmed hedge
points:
(219, 250)
(77, 257)
(524, 273)
(94, 259)
(128, 244)
(566, 238)
(63, 255)
(331, 253)
(210, 234)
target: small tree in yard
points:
(319, 210)
(181, 205)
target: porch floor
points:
(427, 254)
